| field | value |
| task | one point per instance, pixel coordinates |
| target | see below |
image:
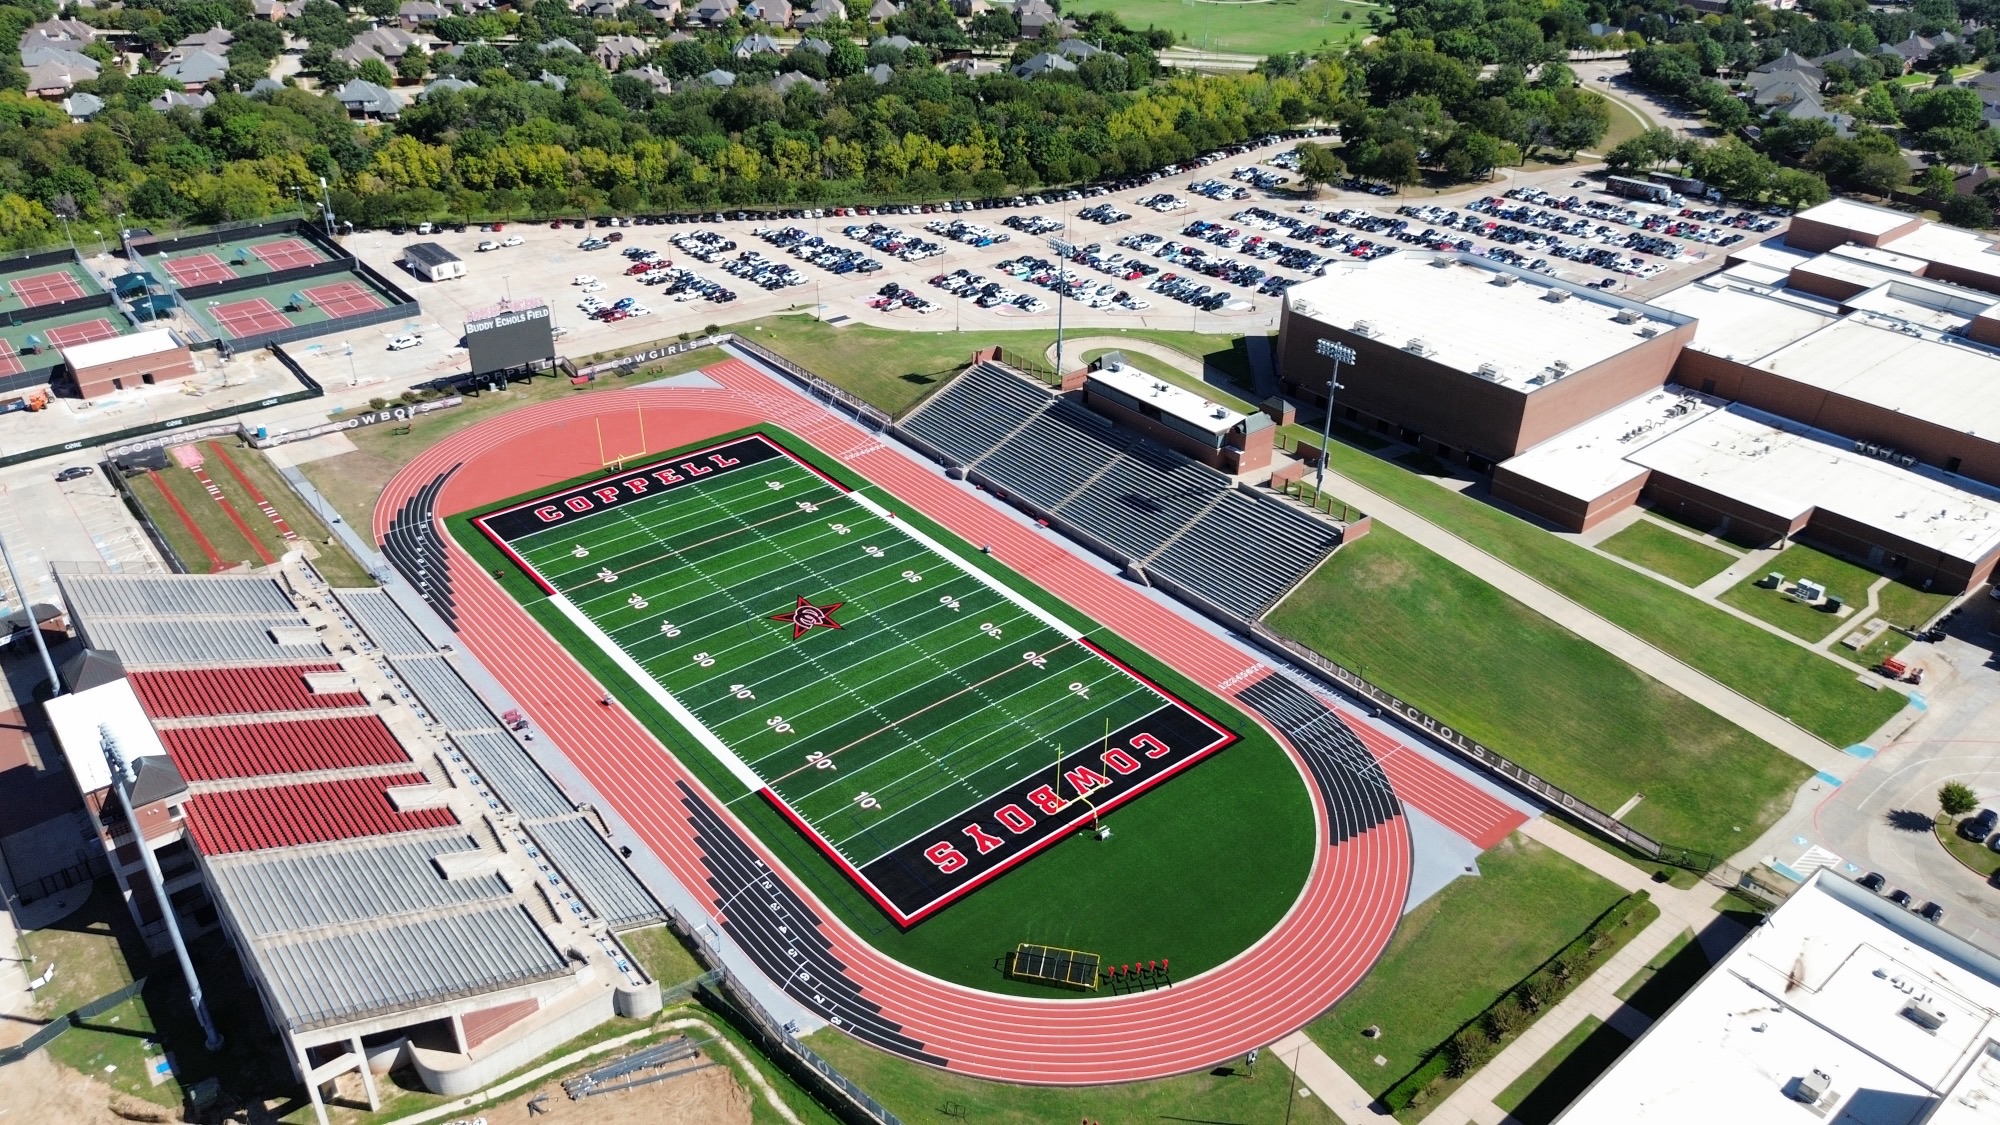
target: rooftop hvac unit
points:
(1556, 296)
(1811, 1088)
(1489, 372)
(1649, 331)
(1441, 262)
(1503, 280)
(1860, 446)
(1907, 461)
(1364, 329)
(1925, 1016)
(1627, 316)
(1560, 367)
(1417, 347)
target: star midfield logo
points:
(806, 617)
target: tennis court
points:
(46, 288)
(10, 364)
(70, 335)
(344, 299)
(197, 269)
(247, 318)
(288, 253)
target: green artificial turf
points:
(1197, 869)
(1558, 1077)
(1455, 954)
(1686, 561)
(1422, 628)
(1820, 695)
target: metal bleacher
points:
(1169, 514)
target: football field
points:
(924, 724)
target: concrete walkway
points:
(1667, 669)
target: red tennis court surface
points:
(10, 364)
(246, 318)
(70, 335)
(343, 299)
(287, 254)
(197, 269)
(46, 288)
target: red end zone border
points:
(950, 860)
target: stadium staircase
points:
(1172, 519)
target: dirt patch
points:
(36, 1089)
(706, 1097)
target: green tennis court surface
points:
(922, 723)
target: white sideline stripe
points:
(973, 572)
(660, 695)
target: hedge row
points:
(1483, 1036)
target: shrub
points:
(1415, 1087)
(378, 404)
(411, 397)
(1468, 1050)
(1507, 1017)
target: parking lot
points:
(1210, 249)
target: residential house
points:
(1969, 182)
(751, 46)
(714, 13)
(1793, 61)
(275, 10)
(1045, 63)
(445, 84)
(388, 44)
(215, 41)
(1033, 16)
(614, 51)
(1811, 107)
(195, 69)
(553, 81)
(82, 107)
(719, 78)
(823, 12)
(784, 83)
(67, 35)
(598, 9)
(775, 13)
(652, 76)
(881, 74)
(1916, 50)
(662, 10)
(899, 42)
(265, 86)
(1077, 50)
(175, 99)
(549, 46)
(1846, 56)
(819, 47)
(55, 77)
(1782, 86)
(363, 98)
(966, 9)
(882, 11)
(414, 13)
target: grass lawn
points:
(1428, 631)
(1271, 28)
(1200, 868)
(1667, 977)
(1686, 561)
(1547, 1088)
(1455, 954)
(1181, 379)
(1841, 578)
(915, 1092)
(1819, 694)
(664, 957)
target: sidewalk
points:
(1667, 669)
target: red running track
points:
(1320, 949)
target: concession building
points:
(1841, 386)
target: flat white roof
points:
(1925, 375)
(1744, 324)
(1787, 469)
(77, 719)
(1821, 985)
(1770, 252)
(1856, 216)
(1183, 404)
(1938, 243)
(1588, 460)
(150, 342)
(1465, 319)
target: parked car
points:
(1933, 913)
(1900, 897)
(76, 472)
(1980, 825)
(1872, 881)
(489, 244)
(511, 240)
(398, 343)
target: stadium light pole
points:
(1339, 353)
(34, 626)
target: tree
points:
(1956, 798)
(1880, 173)
(414, 64)
(1972, 211)
(1799, 190)
(1937, 182)
(1318, 165)
(1951, 107)
(376, 71)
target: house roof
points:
(1042, 64)
(80, 64)
(816, 46)
(361, 94)
(881, 73)
(175, 99)
(899, 42)
(553, 81)
(266, 86)
(55, 76)
(757, 45)
(882, 10)
(558, 44)
(446, 84)
(196, 68)
(1790, 60)
(784, 82)
(719, 77)
(214, 37)
(83, 107)
(1078, 49)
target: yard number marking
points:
(808, 506)
(742, 691)
(912, 576)
(704, 659)
(607, 575)
(840, 528)
(579, 552)
(1080, 690)
(778, 723)
(820, 761)
(774, 485)
(949, 603)
(1035, 658)
(990, 629)
(863, 800)
(669, 629)
(872, 551)
(637, 602)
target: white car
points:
(512, 240)
(583, 279)
(489, 244)
(398, 343)
(593, 287)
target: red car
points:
(498, 226)
(615, 236)
(637, 270)
(557, 225)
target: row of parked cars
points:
(814, 250)
(987, 294)
(893, 242)
(1032, 224)
(703, 245)
(970, 234)
(1873, 881)
(894, 295)
(1580, 227)
(760, 271)
(1104, 213)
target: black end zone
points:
(1358, 794)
